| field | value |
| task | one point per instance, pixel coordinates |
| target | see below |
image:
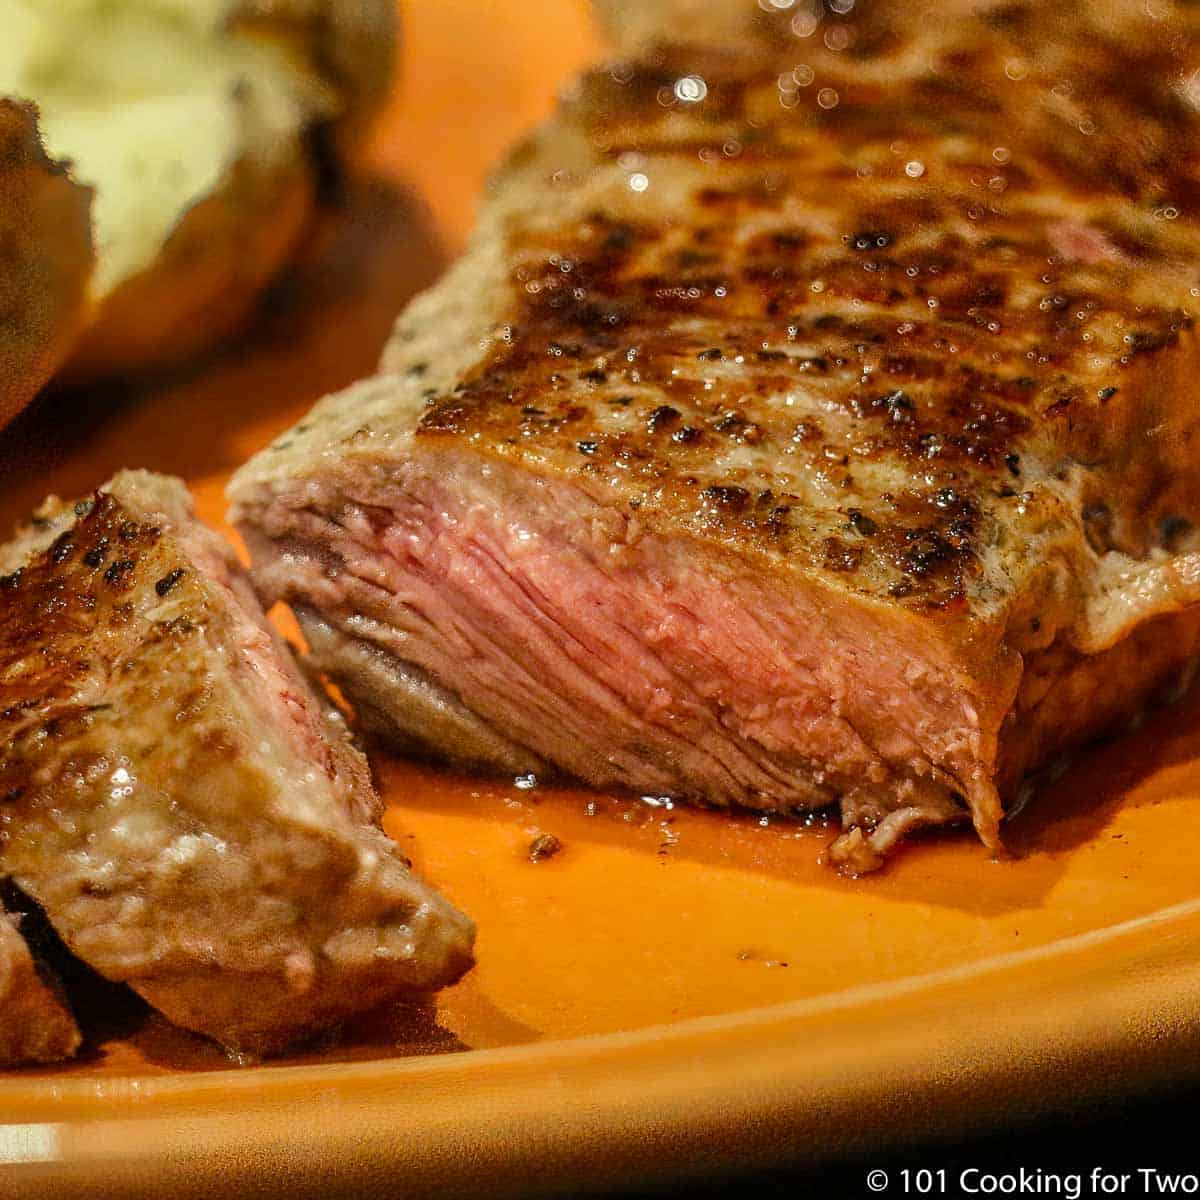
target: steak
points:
(190, 816)
(808, 423)
(35, 1024)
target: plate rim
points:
(183, 1082)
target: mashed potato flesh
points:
(152, 103)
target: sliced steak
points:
(36, 1026)
(793, 432)
(190, 816)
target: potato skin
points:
(206, 281)
(46, 258)
(351, 44)
(217, 262)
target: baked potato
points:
(193, 123)
(46, 259)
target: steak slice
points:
(805, 425)
(191, 818)
(35, 1024)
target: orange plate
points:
(673, 989)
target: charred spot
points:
(12, 581)
(129, 531)
(117, 571)
(595, 375)
(1013, 463)
(663, 417)
(787, 239)
(725, 498)
(861, 523)
(926, 552)
(168, 581)
(839, 556)
(870, 240)
(712, 354)
(1145, 341)
(897, 405)
(83, 507)
(686, 435)
(587, 447)
(1105, 394)
(62, 548)
(734, 425)
(98, 553)
(688, 259)
(776, 521)
(619, 238)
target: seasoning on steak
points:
(35, 1024)
(809, 423)
(191, 818)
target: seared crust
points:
(45, 258)
(980, 329)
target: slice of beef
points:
(36, 1026)
(790, 434)
(191, 817)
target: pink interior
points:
(659, 665)
(270, 678)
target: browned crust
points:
(45, 259)
(940, 335)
